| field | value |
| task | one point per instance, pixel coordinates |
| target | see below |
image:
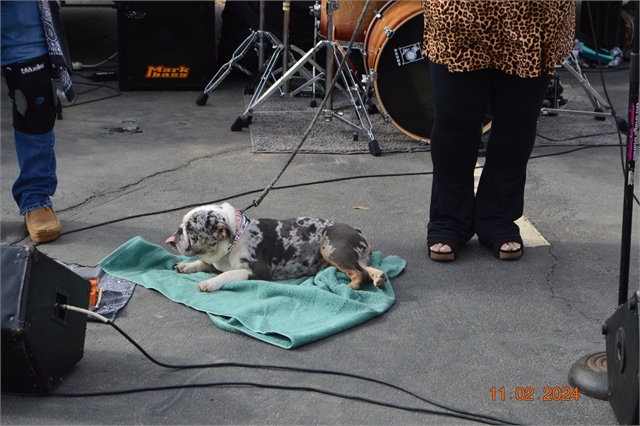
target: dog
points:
(269, 249)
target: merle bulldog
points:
(268, 249)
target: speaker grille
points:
(166, 45)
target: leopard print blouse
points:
(527, 38)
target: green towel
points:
(287, 313)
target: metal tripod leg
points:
(359, 102)
(269, 73)
(224, 71)
(599, 103)
(259, 97)
(352, 91)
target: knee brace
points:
(34, 97)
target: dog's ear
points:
(211, 223)
(222, 230)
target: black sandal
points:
(507, 254)
(446, 256)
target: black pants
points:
(461, 101)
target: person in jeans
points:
(33, 51)
(493, 53)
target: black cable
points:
(94, 87)
(297, 185)
(451, 412)
(263, 386)
(294, 369)
(575, 137)
(604, 87)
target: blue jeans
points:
(23, 39)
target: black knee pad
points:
(33, 94)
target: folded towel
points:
(287, 313)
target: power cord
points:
(299, 185)
(606, 93)
(79, 65)
(451, 412)
(92, 88)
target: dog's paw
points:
(379, 279)
(209, 285)
(187, 268)
(203, 286)
(193, 267)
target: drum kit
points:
(389, 36)
(389, 39)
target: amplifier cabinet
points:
(166, 45)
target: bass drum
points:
(393, 46)
(345, 19)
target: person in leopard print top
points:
(496, 56)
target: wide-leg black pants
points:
(461, 101)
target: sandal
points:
(443, 256)
(507, 254)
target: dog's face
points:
(202, 231)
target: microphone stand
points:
(589, 373)
(632, 146)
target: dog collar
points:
(241, 225)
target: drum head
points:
(403, 85)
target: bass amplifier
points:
(40, 341)
(166, 45)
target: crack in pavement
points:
(145, 178)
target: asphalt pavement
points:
(460, 334)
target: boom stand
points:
(351, 88)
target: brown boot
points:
(43, 224)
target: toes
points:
(440, 248)
(380, 282)
(379, 279)
(202, 286)
(510, 246)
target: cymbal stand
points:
(351, 87)
(256, 38)
(316, 11)
(599, 103)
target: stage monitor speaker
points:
(166, 45)
(40, 342)
(623, 346)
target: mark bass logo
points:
(160, 71)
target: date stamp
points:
(528, 393)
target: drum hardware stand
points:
(257, 38)
(334, 52)
(315, 11)
(598, 102)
